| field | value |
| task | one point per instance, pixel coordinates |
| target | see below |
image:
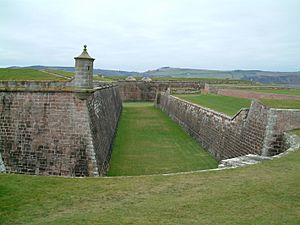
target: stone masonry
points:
(57, 133)
(258, 130)
(57, 128)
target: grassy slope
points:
(267, 193)
(296, 131)
(149, 142)
(224, 104)
(26, 74)
(282, 104)
(60, 72)
(71, 74)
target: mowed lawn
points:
(282, 104)
(225, 104)
(24, 74)
(266, 193)
(149, 142)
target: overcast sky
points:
(138, 35)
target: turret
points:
(84, 70)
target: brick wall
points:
(252, 131)
(56, 133)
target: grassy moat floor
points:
(149, 142)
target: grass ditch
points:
(149, 142)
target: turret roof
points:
(84, 54)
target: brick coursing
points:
(225, 137)
(51, 133)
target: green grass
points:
(224, 104)
(24, 74)
(60, 72)
(276, 91)
(296, 131)
(282, 104)
(71, 75)
(149, 142)
(266, 193)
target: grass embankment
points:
(61, 72)
(231, 105)
(224, 104)
(282, 104)
(149, 142)
(296, 131)
(24, 74)
(72, 74)
(266, 193)
(275, 91)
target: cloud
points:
(141, 35)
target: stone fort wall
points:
(58, 132)
(146, 91)
(258, 130)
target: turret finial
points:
(84, 49)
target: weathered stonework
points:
(58, 133)
(253, 131)
(147, 90)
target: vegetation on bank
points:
(266, 193)
(225, 104)
(296, 131)
(149, 142)
(24, 74)
(231, 105)
(61, 72)
(282, 104)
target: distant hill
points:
(254, 75)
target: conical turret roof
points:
(84, 54)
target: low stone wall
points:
(58, 133)
(258, 130)
(254, 95)
(34, 84)
(146, 91)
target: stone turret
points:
(84, 70)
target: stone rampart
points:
(58, 132)
(258, 130)
(147, 90)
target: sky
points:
(138, 35)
